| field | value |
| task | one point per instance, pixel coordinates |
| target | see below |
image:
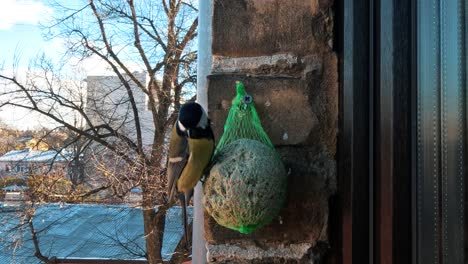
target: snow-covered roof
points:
(15, 155)
(136, 190)
(82, 231)
(15, 188)
(36, 156)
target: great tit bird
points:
(191, 146)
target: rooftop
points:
(15, 188)
(36, 155)
(83, 231)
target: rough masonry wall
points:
(282, 52)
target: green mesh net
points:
(242, 121)
(247, 184)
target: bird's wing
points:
(200, 156)
(178, 156)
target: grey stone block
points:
(281, 102)
(244, 28)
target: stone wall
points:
(282, 52)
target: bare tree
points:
(156, 36)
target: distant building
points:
(14, 195)
(24, 139)
(108, 103)
(134, 196)
(25, 162)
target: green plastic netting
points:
(247, 184)
(242, 121)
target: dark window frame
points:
(375, 41)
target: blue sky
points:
(21, 35)
(19, 29)
(18, 38)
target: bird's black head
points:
(192, 115)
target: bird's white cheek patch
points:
(175, 159)
(181, 127)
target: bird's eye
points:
(247, 99)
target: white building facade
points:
(108, 103)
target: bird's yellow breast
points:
(200, 156)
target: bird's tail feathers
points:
(183, 203)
